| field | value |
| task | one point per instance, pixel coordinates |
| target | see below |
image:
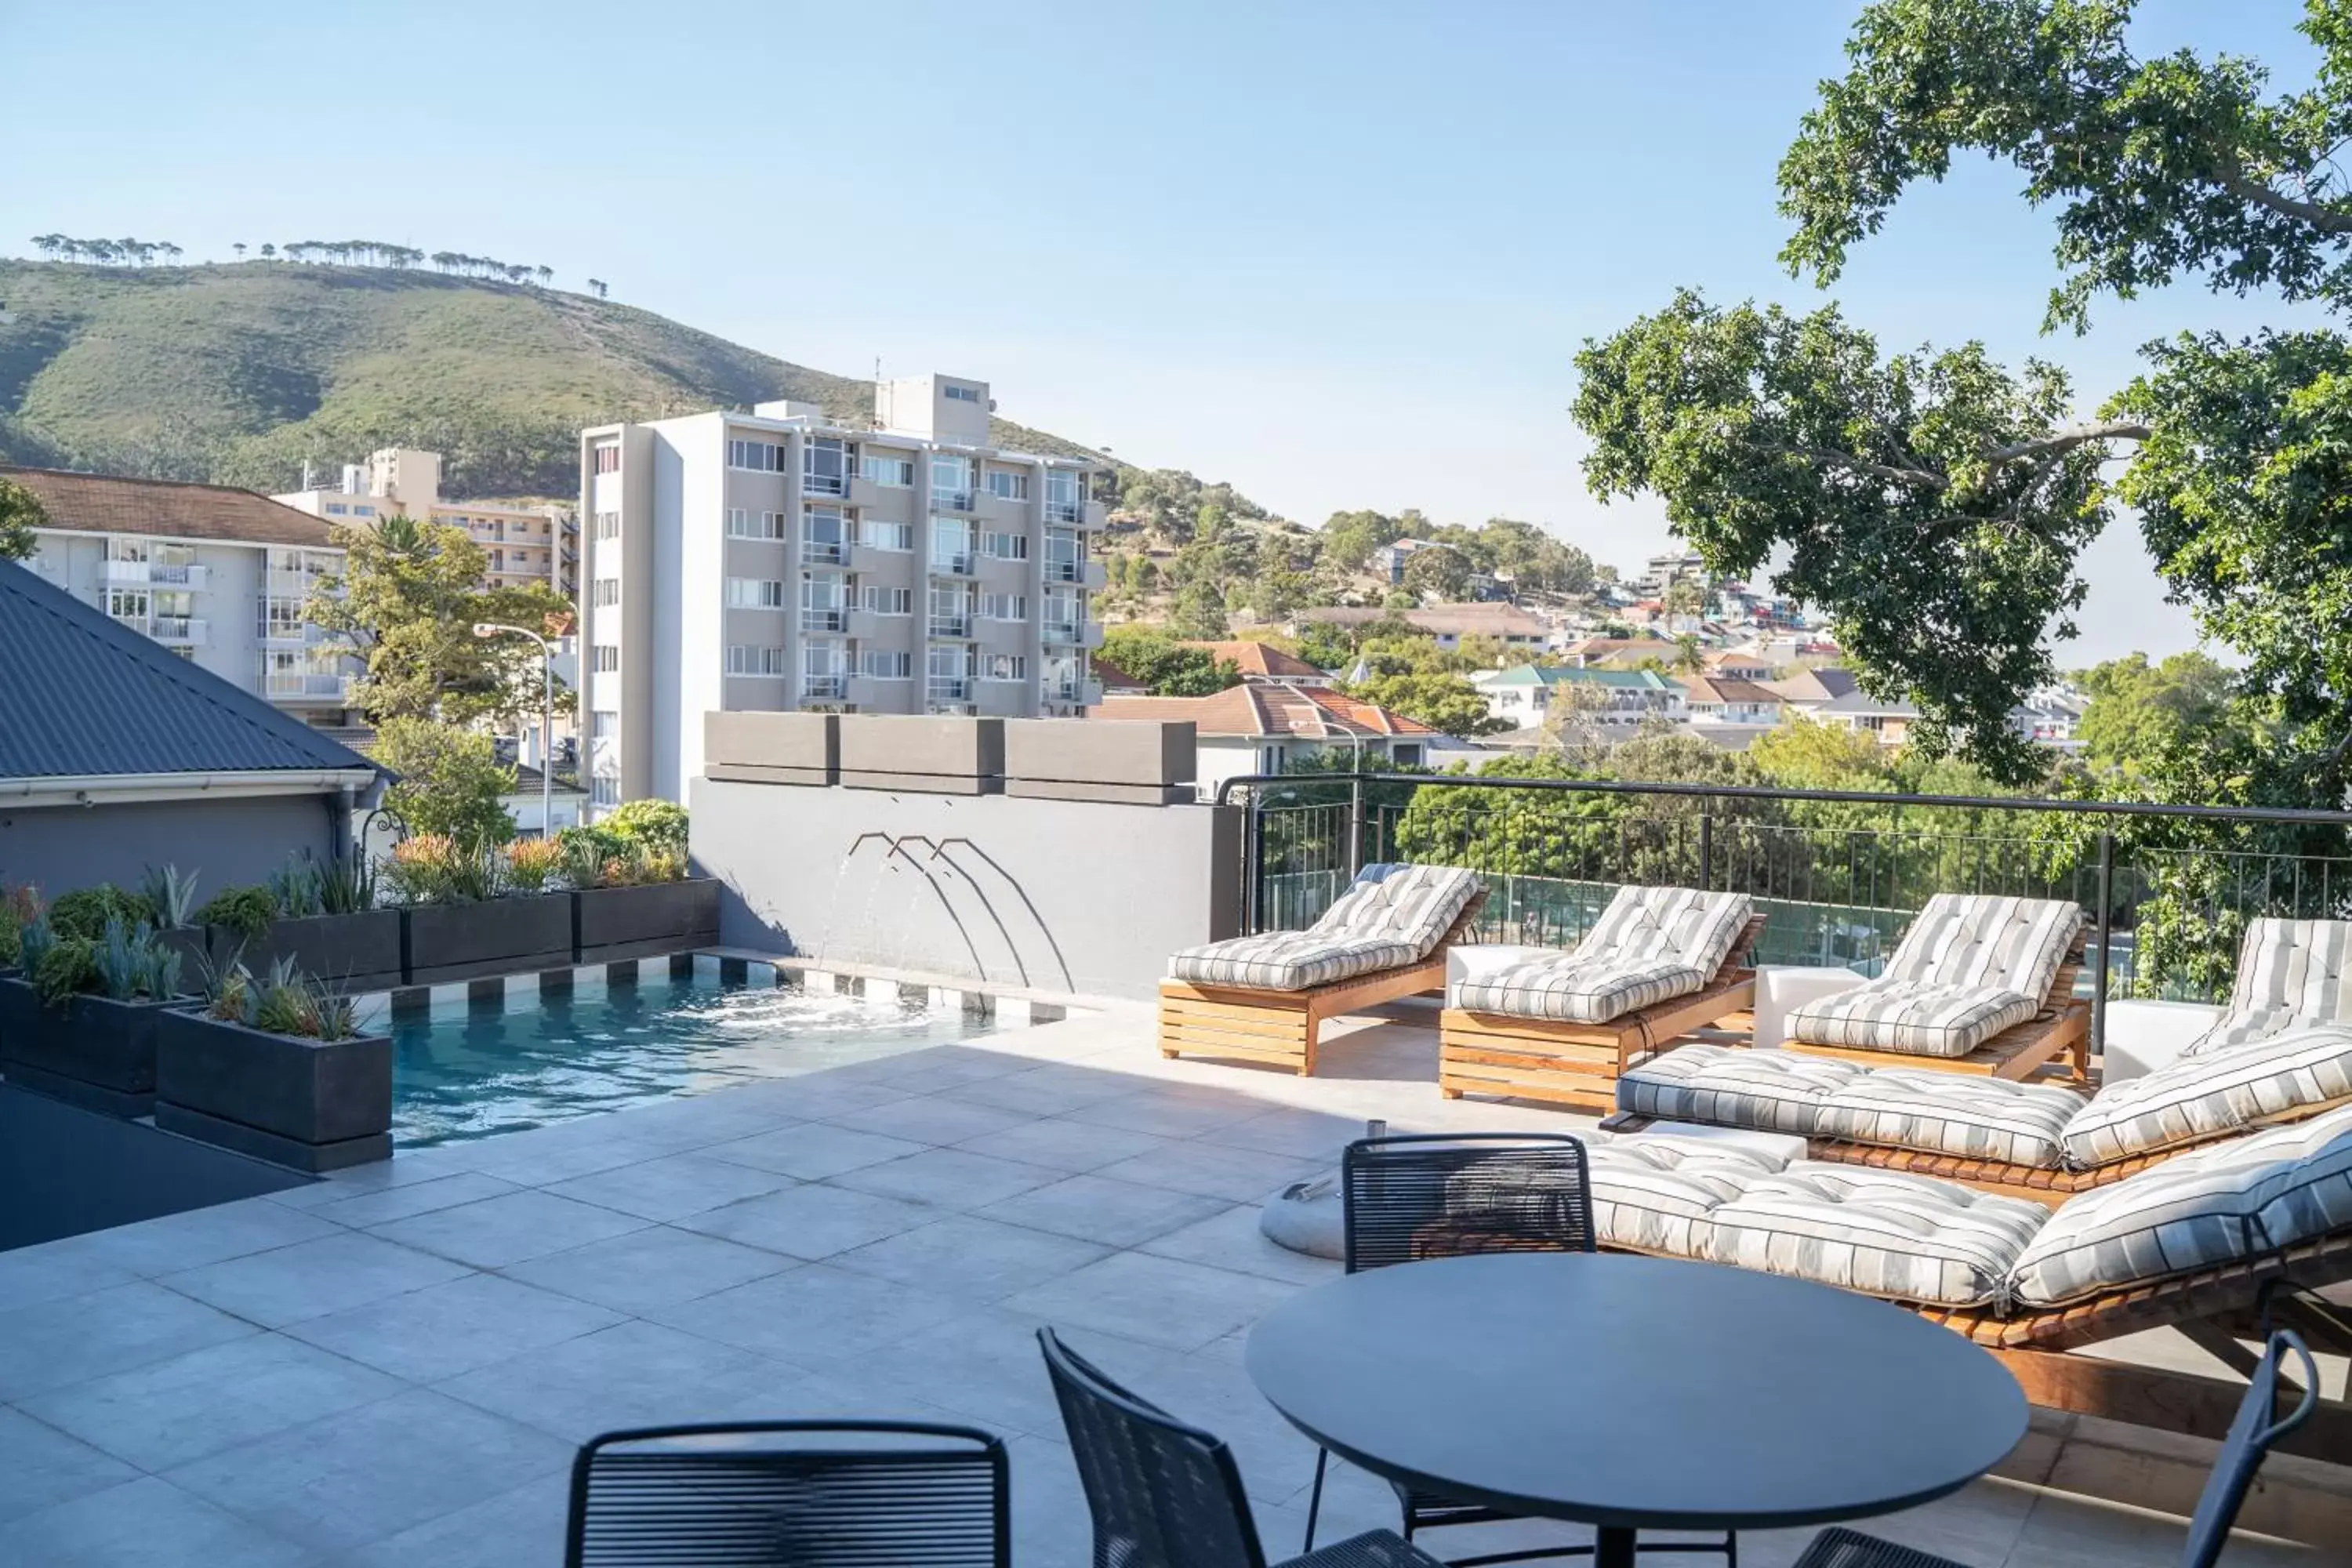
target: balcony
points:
(190, 576)
(1091, 575)
(281, 686)
(1063, 514)
(954, 563)
(179, 631)
(939, 689)
(822, 552)
(1076, 693)
(875, 623)
(955, 626)
(823, 485)
(827, 688)
(1094, 515)
(954, 500)
(825, 617)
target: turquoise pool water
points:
(469, 1071)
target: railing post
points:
(2106, 937)
(1252, 836)
(1355, 826)
(1706, 850)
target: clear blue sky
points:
(1339, 254)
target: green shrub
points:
(285, 1002)
(68, 968)
(84, 913)
(20, 907)
(131, 963)
(170, 895)
(651, 824)
(246, 911)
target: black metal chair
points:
(790, 1494)
(1166, 1495)
(2251, 1436)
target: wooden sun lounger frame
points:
(1283, 1028)
(2023, 1050)
(1578, 1064)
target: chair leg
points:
(1315, 1498)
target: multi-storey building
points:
(526, 544)
(218, 575)
(774, 560)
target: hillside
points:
(238, 373)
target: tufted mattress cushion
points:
(1914, 1018)
(1654, 1194)
(1650, 945)
(1946, 1114)
(2206, 1207)
(1909, 1238)
(1288, 960)
(1415, 905)
(1986, 943)
(2290, 973)
(1772, 1091)
(2199, 1096)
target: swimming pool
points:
(470, 1070)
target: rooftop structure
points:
(1270, 726)
(1449, 624)
(1723, 700)
(1527, 693)
(526, 544)
(1617, 650)
(218, 574)
(1262, 661)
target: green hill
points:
(239, 373)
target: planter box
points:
(613, 923)
(497, 936)
(188, 942)
(92, 1052)
(933, 755)
(355, 952)
(310, 1104)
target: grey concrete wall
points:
(226, 842)
(1066, 895)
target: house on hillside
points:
(1809, 691)
(117, 753)
(1527, 694)
(1449, 624)
(1740, 664)
(1270, 727)
(1587, 652)
(1719, 700)
(1257, 661)
(1889, 720)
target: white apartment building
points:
(773, 560)
(526, 544)
(218, 575)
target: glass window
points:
(1008, 484)
(951, 543)
(604, 460)
(962, 394)
(606, 591)
(1004, 666)
(744, 659)
(605, 790)
(755, 594)
(886, 535)
(362, 511)
(885, 601)
(824, 465)
(608, 657)
(741, 524)
(763, 457)
(951, 482)
(886, 663)
(603, 724)
(1005, 546)
(127, 604)
(337, 508)
(607, 525)
(1005, 606)
(822, 532)
(889, 469)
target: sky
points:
(1339, 255)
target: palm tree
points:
(1688, 658)
(239, 248)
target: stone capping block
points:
(1096, 751)
(937, 754)
(772, 748)
(1106, 794)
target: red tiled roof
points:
(1720, 688)
(1260, 658)
(168, 508)
(1298, 712)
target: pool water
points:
(472, 1071)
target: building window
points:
(962, 394)
(362, 511)
(760, 457)
(950, 609)
(1008, 484)
(746, 660)
(824, 600)
(824, 467)
(1405, 755)
(603, 724)
(337, 508)
(951, 483)
(608, 657)
(825, 668)
(605, 790)
(605, 591)
(822, 533)
(604, 460)
(1064, 562)
(281, 619)
(1004, 666)
(885, 601)
(1005, 546)
(950, 544)
(606, 525)
(754, 593)
(886, 535)
(1005, 606)
(887, 468)
(741, 524)
(127, 604)
(887, 664)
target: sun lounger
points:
(1265, 997)
(1977, 985)
(1659, 962)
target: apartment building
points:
(216, 574)
(774, 560)
(526, 544)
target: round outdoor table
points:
(1634, 1393)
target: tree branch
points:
(2321, 215)
(1826, 458)
(2066, 438)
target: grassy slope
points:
(239, 373)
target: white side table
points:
(2144, 1036)
(1782, 988)
(1475, 961)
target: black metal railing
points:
(1838, 873)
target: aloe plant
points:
(170, 894)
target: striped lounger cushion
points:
(2201, 1209)
(1415, 905)
(1654, 1194)
(1883, 1233)
(2213, 1092)
(1969, 968)
(1650, 945)
(1944, 1113)
(2290, 973)
(1771, 1091)
(1389, 918)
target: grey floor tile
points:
(351, 1479)
(199, 1237)
(1050, 1527)
(1232, 1240)
(41, 1467)
(812, 1221)
(950, 1178)
(1096, 1208)
(520, 1528)
(72, 1339)
(1159, 1300)
(1212, 1170)
(381, 1206)
(814, 1151)
(932, 1119)
(631, 1374)
(1171, 1113)
(815, 1096)
(655, 1267)
(312, 1279)
(817, 1316)
(31, 1275)
(1053, 1090)
(1065, 1145)
(550, 1154)
(440, 1332)
(144, 1524)
(181, 1410)
(987, 1368)
(1302, 1134)
(671, 1187)
(507, 1229)
(971, 1258)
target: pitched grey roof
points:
(80, 695)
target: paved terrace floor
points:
(393, 1367)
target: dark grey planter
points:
(188, 942)
(497, 936)
(615, 923)
(352, 953)
(93, 1052)
(308, 1104)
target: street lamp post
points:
(487, 629)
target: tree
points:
(1326, 645)
(407, 602)
(270, 252)
(1683, 597)
(451, 781)
(1688, 658)
(595, 286)
(1199, 611)
(1166, 666)
(2143, 716)
(20, 512)
(1447, 703)
(1442, 572)
(239, 248)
